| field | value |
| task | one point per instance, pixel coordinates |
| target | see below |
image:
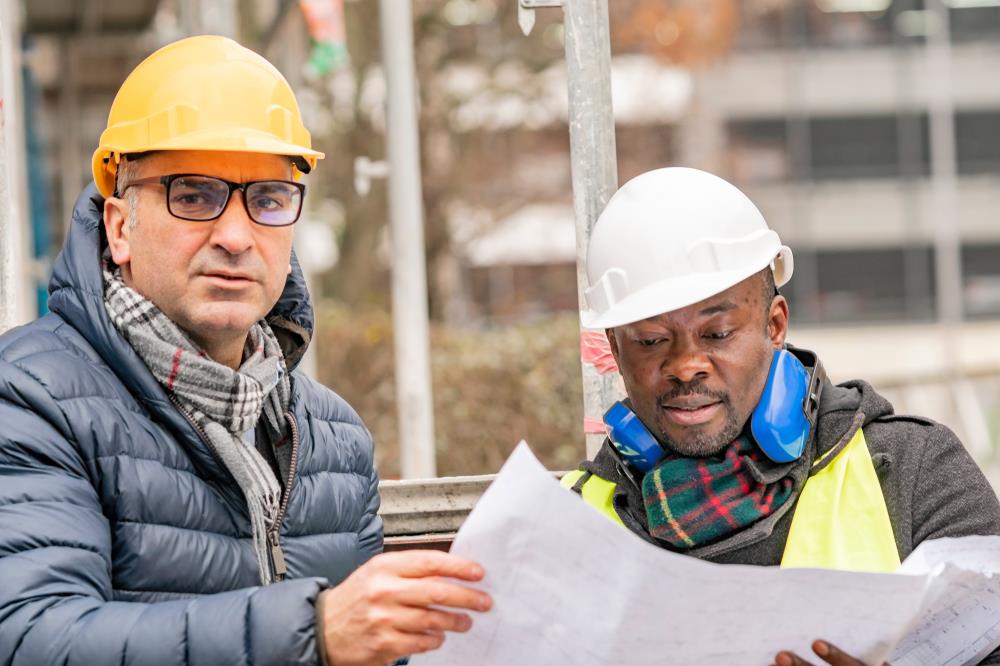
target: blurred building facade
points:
(822, 111)
(826, 119)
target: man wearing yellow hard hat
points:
(733, 446)
(172, 490)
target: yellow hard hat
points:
(203, 93)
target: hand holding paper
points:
(397, 604)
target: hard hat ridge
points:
(670, 238)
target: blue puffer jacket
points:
(122, 540)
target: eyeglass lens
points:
(269, 202)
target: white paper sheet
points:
(571, 587)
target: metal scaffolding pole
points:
(15, 278)
(594, 168)
(406, 224)
(944, 189)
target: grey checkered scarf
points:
(224, 403)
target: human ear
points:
(777, 321)
(116, 229)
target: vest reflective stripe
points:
(596, 492)
(840, 521)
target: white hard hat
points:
(670, 238)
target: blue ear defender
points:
(784, 417)
(781, 423)
(634, 443)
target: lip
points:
(695, 414)
(231, 280)
(690, 402)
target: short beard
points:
(701, 444)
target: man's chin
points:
(698, 449)
(695, 444)
(225, 319)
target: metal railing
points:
(427, 513)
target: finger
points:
(401, 643)
(437, 592)
(786, 658)
(422, 563)
(423, 620)
(423, 642)
(831, 654)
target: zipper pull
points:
(278, 559)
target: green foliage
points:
(492, 387)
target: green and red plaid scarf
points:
(694, 501)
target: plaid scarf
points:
(222, 402)
(694, 501)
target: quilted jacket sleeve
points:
(370, 535)
(56, 600)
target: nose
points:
(687, 362)
(233, 230)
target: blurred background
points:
(867, 131)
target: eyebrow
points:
(725, 306)
(719, 308)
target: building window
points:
(974, 24)
(830, 23)
(868, 146)
(829, 148)
(827, 27)
(981, 280)
(758, 150)
(854, 285)
(977, 135)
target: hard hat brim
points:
(245, 142)
(680, 292)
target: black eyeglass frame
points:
(168, 179)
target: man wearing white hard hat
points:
(732, 445)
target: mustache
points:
(685, 389)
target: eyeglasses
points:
(272, 203)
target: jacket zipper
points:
(278, 565)
(197, 428)
(277, 554)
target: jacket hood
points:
(844, 408)
(76, 293)
(855, 396)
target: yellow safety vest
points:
(840, 521)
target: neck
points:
(226, 352)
